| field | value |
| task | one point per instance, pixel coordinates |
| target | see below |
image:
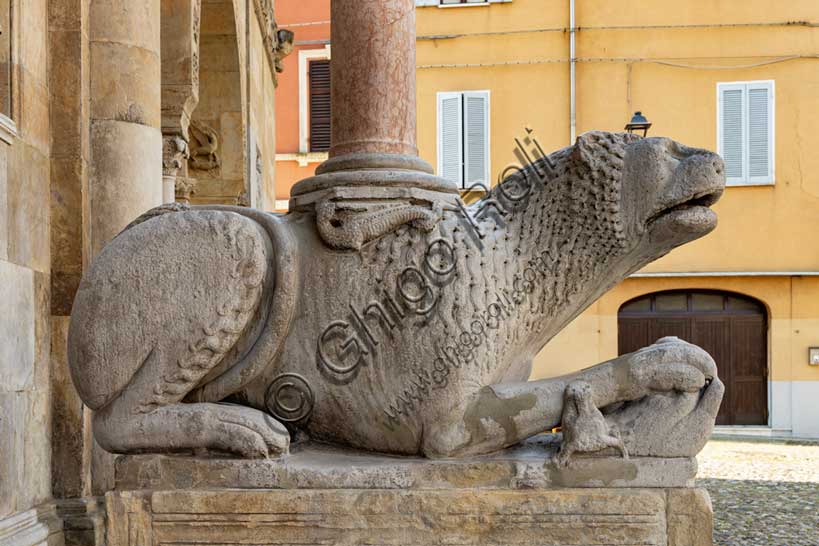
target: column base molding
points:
(40, 526)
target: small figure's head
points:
(285, 42)
(579, 394)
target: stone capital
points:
(184, 188)
(175, 153)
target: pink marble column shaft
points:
(373, 75)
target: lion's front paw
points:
(671, 364)
(669, 424)
(246, 432)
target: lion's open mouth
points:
(701, 200)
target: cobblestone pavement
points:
(764, 493)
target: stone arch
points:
(217, 153)
(180, 28)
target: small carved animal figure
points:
(284, 47)
(410, 331)
(584, 427)
(203, 148)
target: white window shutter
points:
(422, 3)
(476, 138)
(450, 137)
(732, 130)
(760, 132)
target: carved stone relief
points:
(204, 147)
(174, 154)
(413, 325)
(278, 43)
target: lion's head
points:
(661, 190)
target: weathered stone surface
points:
(33, 45)
(38, 526)
(28, 207)
(219, 50)
(528, 466)
(69, 111)
(42, 330)
(4, 204)
(483, 517)
(68, 186)
(11, 451)
(35, 484)
(690, 517)
(70, 450)
(24, 451)
(232, 158)
(17, 335)
(83, 521)
(123, 183)
(127, 22)
(34, 126)
(65, 15)
(345, 361)
(124, 83)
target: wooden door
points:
(732, 328)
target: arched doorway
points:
(218, 151)
(731, 327)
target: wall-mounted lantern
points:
(638, 123)
(813, 356)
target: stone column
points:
(125, 177)
(373, 106)
(125, 136)
(373, 76)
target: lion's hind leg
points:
(164, 424)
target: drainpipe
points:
(572, 76)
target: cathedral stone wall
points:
(85, 124)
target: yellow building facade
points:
(698, 70)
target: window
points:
(463, 137)
(319, 105)
(745, 131)
(307, 95)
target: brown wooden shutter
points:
(319, 106)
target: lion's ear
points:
(585, 149)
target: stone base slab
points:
(662, 517)
(314, 466)
(331, 496)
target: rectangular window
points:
(319, 75)
(745, 131)
(463, 137)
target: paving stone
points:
(764, 494)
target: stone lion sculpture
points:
(403, 328)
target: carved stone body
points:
(414, 339)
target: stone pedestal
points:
(322, 495)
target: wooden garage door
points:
(732, 328)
